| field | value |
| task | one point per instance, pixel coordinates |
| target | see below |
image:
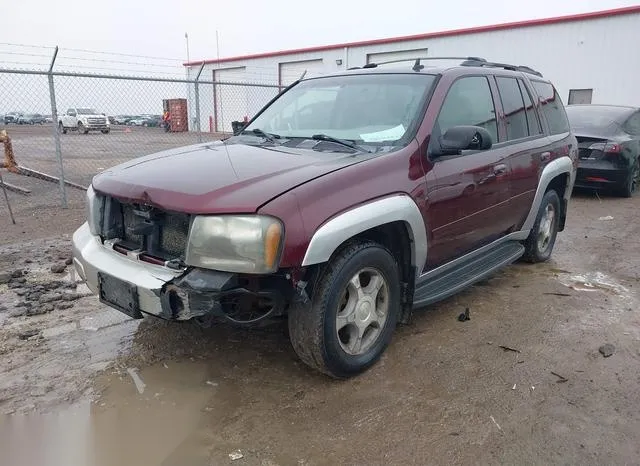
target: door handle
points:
(545, 156)
(499, 169)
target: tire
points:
(339, 332)
(630, 187)
(81, 129)
(539, 244)
(61, 128)
(105, 131)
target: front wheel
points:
(82, 129)
(352, 314)
(61, 128)
(105, 131)
(539, 244)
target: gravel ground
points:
(522, 382)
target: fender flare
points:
(334, 232)
(557, 167)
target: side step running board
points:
(450, 281)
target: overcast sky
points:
(157, 27)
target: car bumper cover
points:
(135, 287)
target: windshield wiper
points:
(258, 132)
(342, 142)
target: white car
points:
(83, 120)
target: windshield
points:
(375, 108)
(87, 111)
(596, 116)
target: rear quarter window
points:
(632, 126)
(552, 107)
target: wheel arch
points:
(372, 219)
(559, 175)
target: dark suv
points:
(346, 203)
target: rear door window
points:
(513, 107)
(532, 114)
(552, 107)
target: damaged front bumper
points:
(136, 288)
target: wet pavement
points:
(521, 382)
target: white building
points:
(591, 58)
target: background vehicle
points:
(12, 117)
(122, 119)
(609, 143)
(83, 120)
(145, 120)
(137, 120)
(153, 121)
(31, 119)
(396, 187)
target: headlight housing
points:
(236, 243)
(95, 211)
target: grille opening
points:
(161, 235)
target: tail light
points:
(606, 147)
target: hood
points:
(217, 177)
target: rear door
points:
(554, 119)
(527, 146)
(467, 193)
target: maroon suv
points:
(346, 203)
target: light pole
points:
(186, 38)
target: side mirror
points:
(459, 138)
(237, 127)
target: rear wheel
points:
(631, 185)
(61, 128)
(352, 314)
(539, 244)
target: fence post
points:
(197, 91)
(56, 132)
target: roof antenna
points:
(302, 75)
(417, 66)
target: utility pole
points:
(186, 38)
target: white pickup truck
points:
(83, 120)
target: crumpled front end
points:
(124, 281)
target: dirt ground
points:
(81, 384)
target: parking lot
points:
(83, 156)
(521, 382)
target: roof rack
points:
(466, 61)
(417, 66)
(482, 62)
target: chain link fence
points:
(55, 124)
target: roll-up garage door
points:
(291, 71)
(396, 55)
(230, 99)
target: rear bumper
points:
(600, 174)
